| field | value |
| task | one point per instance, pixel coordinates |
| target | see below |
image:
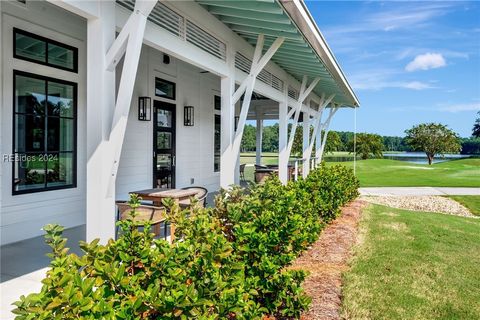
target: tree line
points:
(343, 141)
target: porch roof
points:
(304, 52)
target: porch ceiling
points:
(304, 51)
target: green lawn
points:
(267, 158)
(412, 265)
(394, 173)
(472, 203)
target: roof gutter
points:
(300, 15)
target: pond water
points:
(411, 157)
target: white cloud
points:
(461, 107)
(417, 85)
(411, 52)
(426, 61)
(378, 79)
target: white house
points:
(75, 75)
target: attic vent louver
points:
(292, 93)
(244, 64)
(183, 28)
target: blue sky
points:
(409, 62)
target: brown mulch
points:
(326, 260)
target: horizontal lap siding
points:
(23, 216)
(194, 145)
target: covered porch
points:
(169, 87)
(246, 56)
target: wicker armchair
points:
(201, 197)
(145, 213)
(242, 172)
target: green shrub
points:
(137, 277)
(227, 263)
(330, 188)
(273, 223)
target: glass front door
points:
(164, 145)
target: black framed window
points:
(218, 103)
(34, 48)
(44, 133)
(217, 141)
(164, 89)
(217, 106)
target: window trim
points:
(173, 97)
(47, 41)
(45, 151)
(217, 115)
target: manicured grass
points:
(394, 173)
(412, 265)
(267, 158)
(472, 203)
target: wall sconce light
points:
(188, 116)
(236, 122)
(144, 108)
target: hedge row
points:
(228, 262)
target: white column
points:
(107, 114)
(318, 145)
(227, 157)
(132, 37)
(1, 110)
(258, 140)
(305, 144)
(100, 213)
(297, 107)
(231, 139)
(283, 155)
(326, 128)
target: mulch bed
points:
(326, 260)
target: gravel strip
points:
(422, 203)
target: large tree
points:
(433, 139)
(248, 139)
(476, 127)
(334, 143)
(368, 144)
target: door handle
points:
(174, 161)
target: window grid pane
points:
(44, 149)
(216, 151)
(37, 49)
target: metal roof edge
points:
(300, 15)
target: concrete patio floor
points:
(23, 265)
